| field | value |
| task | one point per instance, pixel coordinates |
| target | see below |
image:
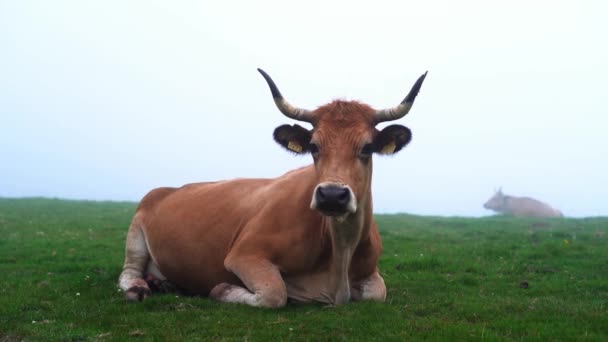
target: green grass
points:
(447, 279)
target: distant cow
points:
(520, 206)
(308, 235)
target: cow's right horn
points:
(284, 106)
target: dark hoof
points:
(167, 287)
(155, 285)
(137, 293)
(161, 286)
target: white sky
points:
(108, 99)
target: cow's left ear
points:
(294, 138)
(392, 139)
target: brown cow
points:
(308, 235)
(520, 206)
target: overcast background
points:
(108, 99)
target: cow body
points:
(262, 241)
(176, 221)
(520, 206)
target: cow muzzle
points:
(334, 199)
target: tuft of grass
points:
(447, 279)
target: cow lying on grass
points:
(520, 206)
(308, 235)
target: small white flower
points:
(290, 329)
(78, 293)
(33, 322)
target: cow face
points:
(341, 143)
(496, 202)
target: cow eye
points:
(313, 148)
(367, 151)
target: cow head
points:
(496, 202)
(342, 141)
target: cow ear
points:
(294, 138)
(392, 139)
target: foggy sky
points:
(109, 99)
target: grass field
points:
(447, 279)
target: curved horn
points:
(403, 108)
(284, 106)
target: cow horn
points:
(403, 108)
(284, 106)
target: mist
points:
(106, 100)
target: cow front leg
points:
(137, 258)
(370, 288)
(265, 286)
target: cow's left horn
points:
(403, 108)
(284, 106)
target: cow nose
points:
(333, 198)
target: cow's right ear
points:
(294, 138)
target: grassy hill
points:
(493, 278)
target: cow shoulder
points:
(293, 242)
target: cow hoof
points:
(157, 285)
(137, 293)
(162, 286)
(219, 290)
(167, 287)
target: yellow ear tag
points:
(389, 148)
(294, 146)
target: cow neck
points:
(345, 235)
